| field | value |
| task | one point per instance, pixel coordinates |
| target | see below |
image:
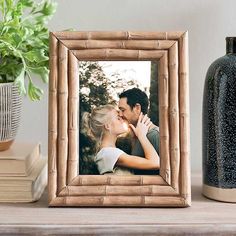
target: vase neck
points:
(230, 45)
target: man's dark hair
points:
(135, 96)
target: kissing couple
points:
(106, 123)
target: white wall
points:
(208, 23)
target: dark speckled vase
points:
(219, 127)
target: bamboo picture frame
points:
(169, 189)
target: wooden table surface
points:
(204, 217)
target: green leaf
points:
(2, 5)
(8, 49)
(42, 71)
(17, 11)
(26, 33)
(17, 39)
(10, 27)
(11, 69)
(20, 82)
(41, 19)
(14, 23)
(34, 92)
(8, 8)
(49, 8)
(26, 3)
(36, 56)
(9, 3)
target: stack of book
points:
(23, 173)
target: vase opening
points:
(230, 45)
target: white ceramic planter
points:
(10, 113)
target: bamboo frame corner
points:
(172, 187)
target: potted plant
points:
(24, 42)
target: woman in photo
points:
(104, 125)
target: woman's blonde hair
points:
(93, 123)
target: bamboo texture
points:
(109, 190)
(73, 86)
(112, 201)
(118, 44)
(63, 116)
(89, 180)
(172, 186)
(184, 118)
(52, 119)
(117, 54)
(119, 35)
(164, 117)
(174, 116)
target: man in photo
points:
(132, 102)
